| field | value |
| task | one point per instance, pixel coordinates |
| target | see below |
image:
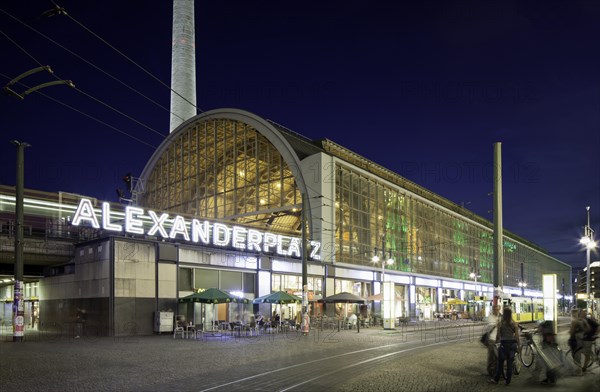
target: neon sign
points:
(195, 231)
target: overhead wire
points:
(85, 114)
(79, 90)
(88, 62)
(129, 59)
(82, 92)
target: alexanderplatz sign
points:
(193, 231)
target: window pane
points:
(206, 278)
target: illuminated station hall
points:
(237, 202)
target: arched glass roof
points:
(227, 165)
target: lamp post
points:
(522, 285)
(588, 241)
(388, 297)
(375, 259)
(474, 276)
(18, 306)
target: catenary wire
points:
(90, 63)
(85, 114)
(87, 62)
(82, 92)
(130, 60)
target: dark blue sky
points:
(422, 88)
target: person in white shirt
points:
(352, 319)
(492, 359)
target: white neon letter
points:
(133, 225)
(314, 254)
(85, 212)
(179, 228)
(294, 247)
(106, 225)
(237, 239)
(254, 238)
(269, 241)
(221, 234)
(280, 250)
(158, 224)
(200, 231)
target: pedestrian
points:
(508, 337)
(549, 359)
(491, 330)
(589, 335)
(579, 328)
(80, 317)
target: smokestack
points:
(498, 229)
(183, 64)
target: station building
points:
(220, 204)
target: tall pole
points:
(588, 246)
(522, 280)
(498, 239)
(18, 308)
(383, 261)
(305, 317)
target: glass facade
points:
(423, 238)
(225, 169)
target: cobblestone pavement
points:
(159, 363)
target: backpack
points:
(485, 338)
(593, 328)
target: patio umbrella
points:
(278, 297)
(212, 296)
(345, 298)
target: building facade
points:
(250, 178)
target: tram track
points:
(332, 369)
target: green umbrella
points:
(213, 296)
(278, 297)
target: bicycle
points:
(527, 354)
(516, 363)
(594, 355)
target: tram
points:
(525, 309)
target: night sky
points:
(423, 88)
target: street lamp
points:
(473, 275)
(522, 285)
(588, 241)
(389, 261)
(387, 288)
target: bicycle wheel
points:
(527, 355)
(517, 364)
(516, 367)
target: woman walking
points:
(508, 337)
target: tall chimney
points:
(498, 227)
(183, 64)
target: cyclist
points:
(508, 337)
(588, 339)
(579, 328)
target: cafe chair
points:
(179, 329)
